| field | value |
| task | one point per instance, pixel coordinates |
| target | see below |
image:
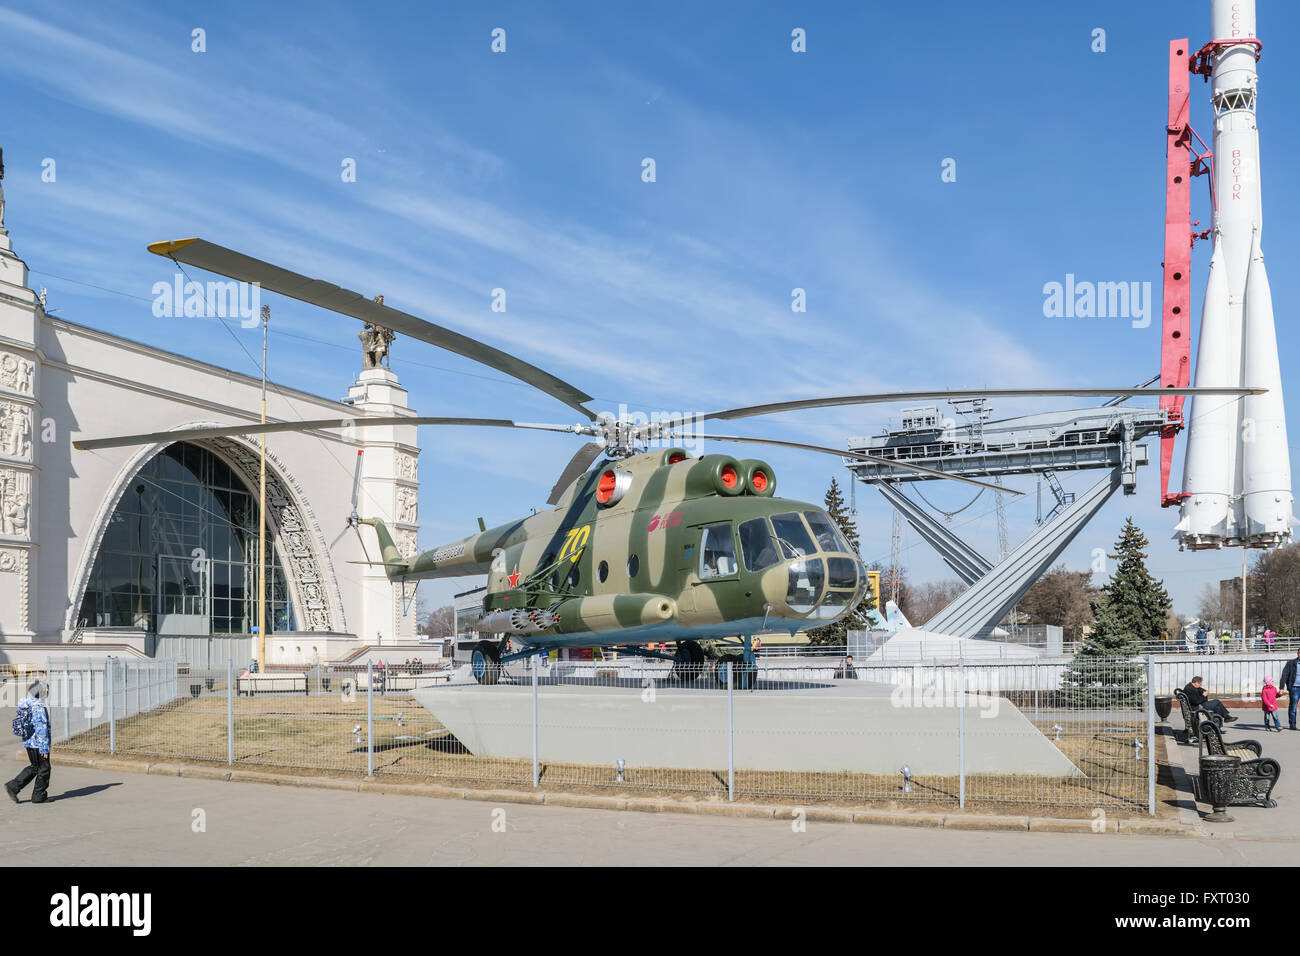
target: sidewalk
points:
(113, 818)
(1249, 823)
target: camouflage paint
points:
(658, 522)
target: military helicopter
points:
(644, 544)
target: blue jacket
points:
(40, 740)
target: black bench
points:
(1190, 721)
(1254, 778)
(1212, 743)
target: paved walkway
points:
(104, 817)
(1249, 823)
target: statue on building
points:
(375, 340)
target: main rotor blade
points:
(579, 463)
(257, 428)
(858, 456)
(235, 265)
(949, 394)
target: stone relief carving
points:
(16, 373)
(15, 562)
(15, 431)
(15, 502)
(406, 543)
(313, 609)
(407, 466)
(407, 506)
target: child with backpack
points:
(32, 725)
(1268, 700)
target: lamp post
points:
(261, 512)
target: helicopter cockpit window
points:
(717, 552)
(828, 535)
(806, 580)
(793, 536)
(756, 544)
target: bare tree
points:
(926, 600)
(441, 623)
(1063, 598)
(1274, 590)
(1215, 608)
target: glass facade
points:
(180, 553)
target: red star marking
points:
(514, 578)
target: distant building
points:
(1230, 593)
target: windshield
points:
(756, 544)
(804, 586)
(828, 535)
(793, 536)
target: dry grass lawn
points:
(327, 735)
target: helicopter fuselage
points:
(654, 548)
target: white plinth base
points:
(852, 726)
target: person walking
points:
(1200, 639)
(32, 724)
(1268, 700)
(1288, 684)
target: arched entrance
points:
(178, 554)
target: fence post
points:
(731, 735)
(67, 703)
(1151, 735)
(370, 718)
(230, 711)
(1035, 691)
(536, 775)
(961, 733)
(110, 679)
(48, 677)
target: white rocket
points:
(1237, 474)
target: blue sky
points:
(522, 171)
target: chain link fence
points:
(1059, 735)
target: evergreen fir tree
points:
(1132, 608)
(855, 620)
(839, 512)
(1140, 601)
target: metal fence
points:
(938, 734)
(85, 695)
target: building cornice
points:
(175, 358)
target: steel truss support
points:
(966, 562)
(988, 600)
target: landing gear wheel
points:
(485, 663)
(688, 662)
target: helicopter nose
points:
(805, 581)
